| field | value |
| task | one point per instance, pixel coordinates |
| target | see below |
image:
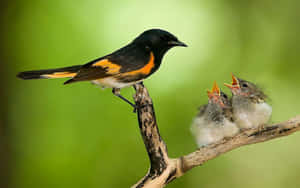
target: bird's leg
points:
(116, 92)
(140, 83)
(261, 128)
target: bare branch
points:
(164, 169)
(246, 137)
(156, 148)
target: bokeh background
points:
(78, 135)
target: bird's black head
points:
(158, 41)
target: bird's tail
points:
(66, 72)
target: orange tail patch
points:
(59, 75)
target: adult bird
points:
(125, 67)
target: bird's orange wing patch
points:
(110, 67)
(59, 75)
(146, 69)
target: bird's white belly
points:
(211, 132)
(258, 115)
(111, 82)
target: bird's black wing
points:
(125, 60)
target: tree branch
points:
(164, 169)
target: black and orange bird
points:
(123, 68)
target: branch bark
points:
(164, 169)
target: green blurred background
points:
(78, 135)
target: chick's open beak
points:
(215, 92)
(234, 84)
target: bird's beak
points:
(235, 83)
(177, 43)
(215, 92)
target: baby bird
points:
(250, 109)
(214, 120)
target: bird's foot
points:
(260, 128)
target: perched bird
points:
(250, 109)
(214, 121)
(122, 68)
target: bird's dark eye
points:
(245, 85)
(147, 48)
(225, 96)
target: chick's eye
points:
(245, 85)
(225, 96)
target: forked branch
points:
(164, 169)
